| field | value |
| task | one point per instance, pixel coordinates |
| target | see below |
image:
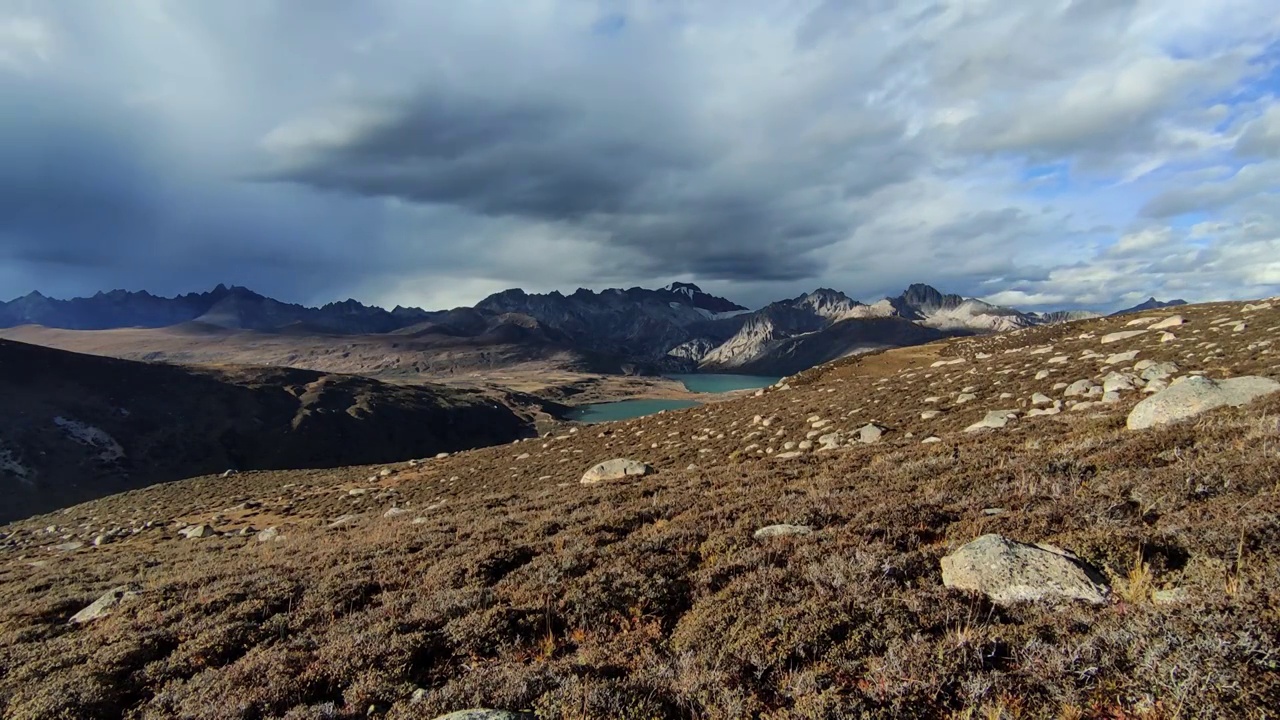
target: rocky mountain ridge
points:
(675, 328)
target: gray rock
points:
(271, 534)
(931, 440)
(1159, 371)
(229, 473)
(805, 445)
(830, 441)
(1195, 395)
(1171, 596)
(1122, 335)
(1118, 358)
(930, 414)
(994, 419)
(481, 714)
(1008, 571)
(1079, 387)
(1117, 382)
(963, 398)
(617, 469)
(1041, 399)
(1039, 412)
(870, 433)
(1171, 321)
(789, 455)
(342, 520)
(105, 604)
(773, 531)
(69, 546)
(195, 532)
(394, 512)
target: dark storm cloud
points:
(638, 188)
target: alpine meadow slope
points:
(781, 556)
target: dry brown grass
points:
(521, 588)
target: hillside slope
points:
(76, 427)
(494, 578)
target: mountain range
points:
(675, 328)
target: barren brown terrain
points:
(494, 578)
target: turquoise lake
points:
(626, 409)
(718, 383)
(708, 383)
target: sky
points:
(1048, 154)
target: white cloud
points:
(25, 42)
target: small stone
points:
(194, 532)
(994, 419)
(773, 531)
(271, 534)
(1171, 596)
(394, 512)
(1041, 399)
(105, 604)
(930, 414)
(930, 440)
(963, 398)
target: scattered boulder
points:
(870, 433)
(963, 398)
(1118, 358)
(930, 414)
(483, 714)
(394, 512)
(1117, 382)
(1122, 335)
(194, 532)
(1167, 337)
(1008, 571)
(1041, 399)
(1159, 371)
(930, 440)
(995, 419)
(1195, 395)
(830, 441)
(271, 534)
(105, 604)
(1038, 412)
(1079, 387)
(773, 531)
(1171, 321)
(616, 469)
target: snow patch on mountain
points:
(86, 434)
(10, 465)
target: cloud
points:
(406, 152)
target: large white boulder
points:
(1008, 571)
(616, 469)
(1195, 395)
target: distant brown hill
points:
(76, 427)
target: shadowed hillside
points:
(76, 427)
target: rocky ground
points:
(809, 552)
